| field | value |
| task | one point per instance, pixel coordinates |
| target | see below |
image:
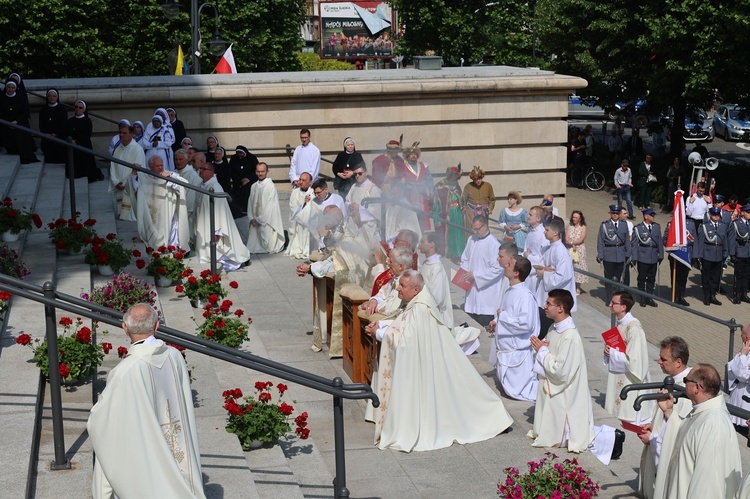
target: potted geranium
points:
(71, 234)
(13, 220)
(4, 300)
(10, 264)
(258, 420)
(78, 357)
(166, 264)
(108, 254)
(198, 289)
(548, 479)
(220, 326)
(121, 293)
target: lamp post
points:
(216, 46)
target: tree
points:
(94, 38)
(472, 30)
(677, 53)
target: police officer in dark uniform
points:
(648, 252)
(718, 202)
(711, 247)
(680, 270)
(613, 247)
(739, 250)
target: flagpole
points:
(674, 279)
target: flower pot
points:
(196, 303)
(10, 237)
(164, 282)
(256, 444)
(104, 270)
(74, 252)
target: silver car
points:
(731, 122)
(698, 126)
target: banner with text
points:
(356, 30)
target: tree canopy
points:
(95, 38)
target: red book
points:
(613, 339)
(639, 430)
(460, 281)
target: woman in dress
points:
(448, 205)
(53, 118)
(343, 166)
(478, 196)
(575, 240)
(513, 221)
(79, 129)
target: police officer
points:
(679, 269)
(613, 247)
(726, 216)
(711, 247)
(739, 250)
(648, 251)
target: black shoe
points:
(651, 303)
(706, 302)
(683, 302)
(245, 264)
(721, 290)
(714, 301)
(736, 301)
(745, 298)
(619, 440)
(643, 304)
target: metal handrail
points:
(71, 106)
(71, 147)
(731, 323)
(54, 300)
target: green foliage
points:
(96, 38)
(470, 29)
(310, 61)
(71, 234)
(110, 252)
(548, 478)
(167, 262)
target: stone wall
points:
(509, 121)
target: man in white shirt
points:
(623, 184)
(306, 158)
(698, 205)
(479, 260)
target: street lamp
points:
(216, 46)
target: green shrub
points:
(310, 61)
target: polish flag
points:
(226, 63)
(677, 235)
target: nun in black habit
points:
(14, 107)
(79, 129)
(53, 120)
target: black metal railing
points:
(71, 106)
(53, 300)
(71, 180)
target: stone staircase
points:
(292, 469)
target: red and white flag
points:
(226, 64)
(677, 235)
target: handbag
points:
(574, 255)
(652, 178)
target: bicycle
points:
(592, 179)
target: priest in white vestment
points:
(266, 231)
(162, 211)
(555, 271)
(231, 252)
(479, 260)
(143, 428)
(435, 277)
(387, 301)
(121, 177)
(535, 243)
(420, 354)
(705, 459)
(738, 370)
(299, 234)
(183, 168)
(563, 416)
(367, 217)
(516, 322)
(660, 434)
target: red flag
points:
(226, 63)
(677, 235)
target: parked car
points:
(698, 126)
(635, 113)
(731, 122)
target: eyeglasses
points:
(203, 169)
(477, 229)
(614, 303)
(687, 380)
(79, 107)
(318, 193)
(359, 174)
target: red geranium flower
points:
(234, 284)
(179, 288)
(219, 324)
(206, 314)
(64, 370)
(238, 312)
(89, 222)
(111, 236)
(84, 335)
(161, 248)
(260, 385)
(155, 254)
(136, 253)
(286, 409)
(102, 258)
(303, 433)
(66, 321)
(23, 339)
(5, 296)
(122, 352)
(149, 249)
(106, 347)
(11, 213)
(282, 388)
(162, 270)
(192, 280)
(210, 333)
(140, 263)
(60, 244)
(37, 220)
(264, 397)
(178, 256)
(213, 298)
(206, 273)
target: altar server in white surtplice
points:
(420, 353)
(563, 415)
(516, 321)
(299, 233)
(479, 261)
(121, 177)
(231, 252)
(162, 211)
(738, 370)
(628, 367)
(555, 271)
(366, 217)
(535, 243)
(143, 428)
(266, 233)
